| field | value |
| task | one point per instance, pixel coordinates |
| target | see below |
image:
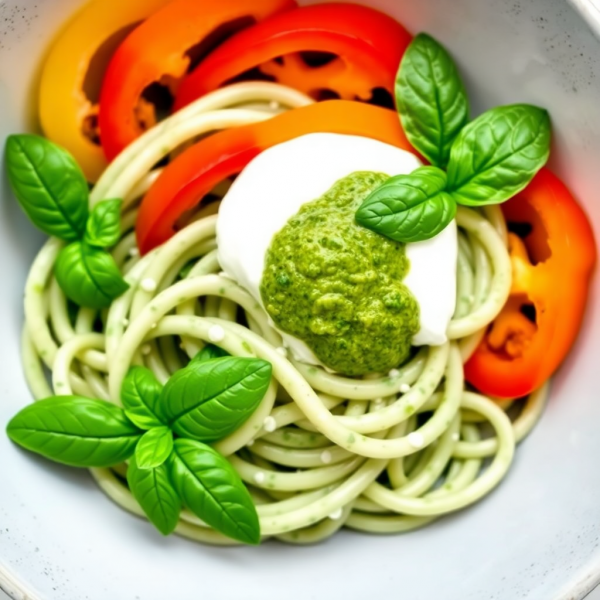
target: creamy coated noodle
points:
(313, 452)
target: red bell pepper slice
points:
(161, 51)
(552, 267)
(366, 47)
(193, 174)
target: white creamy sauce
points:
(274, 186)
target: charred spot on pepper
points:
(92, 81)
(315, 59)
(323, 94)
(521, 230)
(252, 75)
(381, 97)
(157, 99)
(320, 75)
(530, 312)
(90, 128)
(215, 38)
(530, 228)
(308, 72)
(512, 331)
(155, 103)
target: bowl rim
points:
(589, 10)
(16, 589)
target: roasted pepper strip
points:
(194, 173)
(73, 71)
(161, 51)
(366, 47)
(552, 268)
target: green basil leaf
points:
(140, 395)
(154, 448)
(153, 490)
(209, 352)
(409, 208)
(498, 154)
(210, 487)
(75, 431)
(208, 401)
(103, 228)
(431, 99)
(89, 276)
(49, 185)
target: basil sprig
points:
(207, 400)
(53, 192)
(488, 161)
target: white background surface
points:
(535, 538)
(595, 595)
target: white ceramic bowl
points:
(536, 537)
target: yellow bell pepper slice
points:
(73, 72)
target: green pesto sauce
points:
(338, 286)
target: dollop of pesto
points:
(338, 286)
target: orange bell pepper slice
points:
(160, 52)
(552, 267)
(362, 47)
(73, 71)
(194, 173)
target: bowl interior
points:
(537, 536)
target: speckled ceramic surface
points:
(537, 537)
